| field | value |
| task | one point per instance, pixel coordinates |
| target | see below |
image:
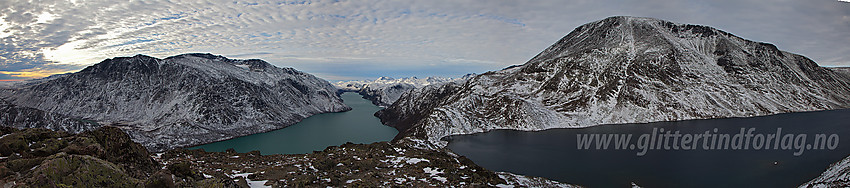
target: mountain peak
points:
(629, 18)
(649, 38)
(163, 102)
(142, 56)
(200, 55)
(625, 69)
(115, 66)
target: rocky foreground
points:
(106, 157)
(99, 158)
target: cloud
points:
(397, 38)
(29, 73)
(250, 55)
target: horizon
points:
(341, 40)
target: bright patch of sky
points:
(340, 40)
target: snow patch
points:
(251, 183)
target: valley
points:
(204, 120)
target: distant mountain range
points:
(178, 101)
(386, 90)
(624, 70)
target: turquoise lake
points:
(316, 132)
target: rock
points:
(79, 171)
(381, 164)
(104, 157)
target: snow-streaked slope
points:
(625, 70)
(841, 70)
(24, 117)
(183, 100)
(385, 90)
(838, 175)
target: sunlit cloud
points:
(29, 73)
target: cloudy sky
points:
(341, 40)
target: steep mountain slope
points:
(183, 100)
(625, 70)
(385, 90)
(841, 70)
(25, 117)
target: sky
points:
(346, 40)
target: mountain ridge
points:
(183, 100)
(624, 70)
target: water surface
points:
(553, 154)
(316, 132)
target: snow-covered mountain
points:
(624, 70)
(182, 100)
(386, 90)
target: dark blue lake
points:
(316, 132)
(554, 153)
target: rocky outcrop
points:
(106, 157)
(382, 164)
(41, 157)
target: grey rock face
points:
(625, 70)
(183, 100)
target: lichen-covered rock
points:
(105, 157)
(63, 170)
(118, 148)
(379, 164)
